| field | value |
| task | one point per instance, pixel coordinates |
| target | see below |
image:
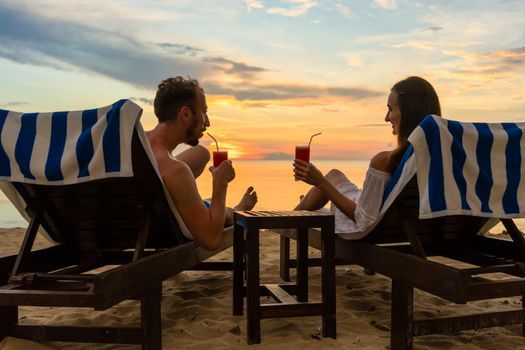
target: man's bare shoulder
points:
(381, 161)
(172, 167)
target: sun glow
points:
(235, 151)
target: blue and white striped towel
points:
(67, 147)
(464, 169)
(64, 148)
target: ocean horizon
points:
(272, 179)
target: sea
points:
(272, 179)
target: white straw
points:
(217, 144)
(311, 137)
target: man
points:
(180, 105)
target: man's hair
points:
(172, 95)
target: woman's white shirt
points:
(368, 201)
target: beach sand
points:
(196, 313)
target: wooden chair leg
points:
(401, 316)
(238, 270)
(285, 259)
(8, 318)
(523, 324)
(328, 283)
(150, 306)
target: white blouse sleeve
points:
(369, 202)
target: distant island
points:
(278, 156)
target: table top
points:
(283, 213)
(284, 218)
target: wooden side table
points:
(246, 258)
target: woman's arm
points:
(308, 173)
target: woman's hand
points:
(307, 172)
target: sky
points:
(274, 72)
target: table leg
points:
(401, 315)
(285, 259)
(238, 269)
(328, 280)
(150, 318)
(253, 301)
(302, 265)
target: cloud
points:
(425, 38)
(179, 49)
(144, 100)
(490, 64)
(344, 11)
(355, 59)
(382, 125)
(387, 4)
(515, 53)
(419, 44)
(30, 39)
(356, 93)
(298, 8)
(14, 104)
(264, 92)
(253, 4)
(434, 44)
(434, 29)
(318, 21)
(334, 110)
(238, 68)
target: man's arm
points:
(205, 224)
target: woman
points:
(410, 100)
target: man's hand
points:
(224, 173)
(307, 172)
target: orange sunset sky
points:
(275, 72)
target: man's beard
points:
(192, 141)
(192, 135)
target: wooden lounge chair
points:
(117, 239)
(400, 246)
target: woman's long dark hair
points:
(416, 99)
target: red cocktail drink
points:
(302, 153)
(219, 157)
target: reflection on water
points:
(273, 181)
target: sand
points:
(196, 313)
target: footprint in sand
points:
(357, 293)
(425, 314)
(189, 295)
(385, 295)
(359, 305)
